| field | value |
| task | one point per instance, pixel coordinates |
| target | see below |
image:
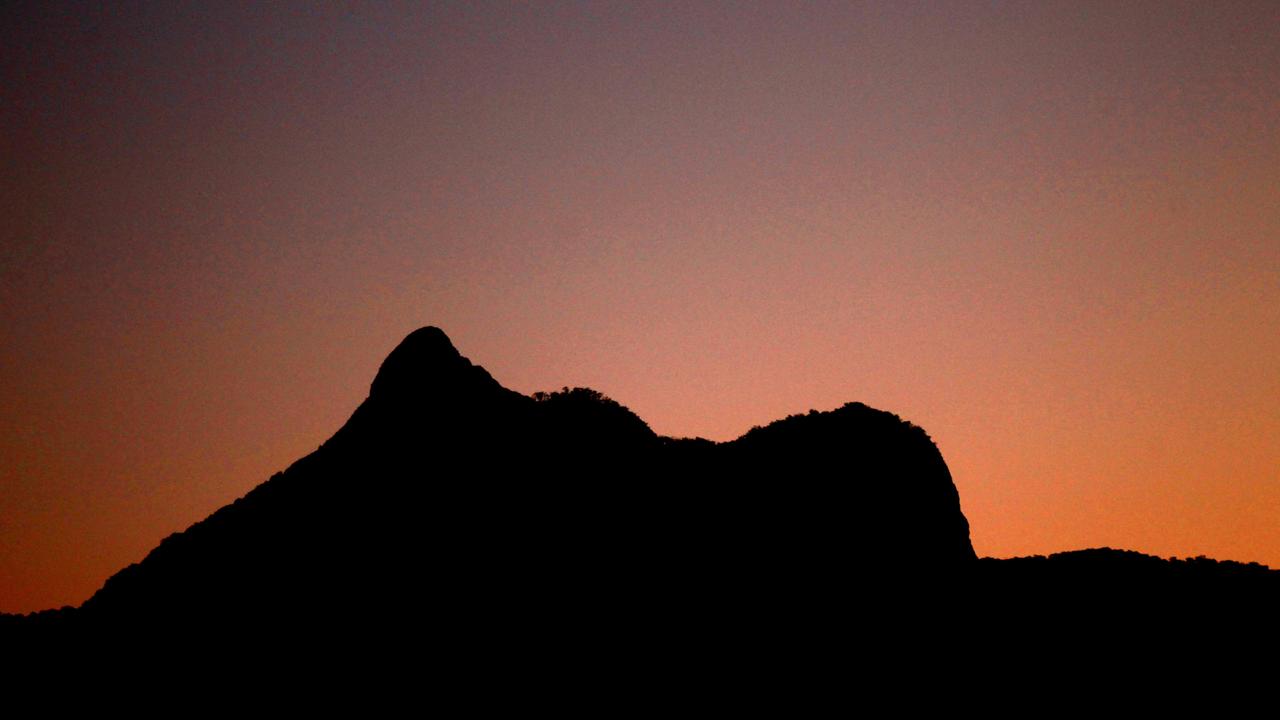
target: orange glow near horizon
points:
(1049, 235)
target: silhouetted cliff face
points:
(448, 496)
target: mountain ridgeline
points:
(443, 479)
(451, 507)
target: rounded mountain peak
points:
(426, 357)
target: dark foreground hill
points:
(453, 514)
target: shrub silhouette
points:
(588, 417)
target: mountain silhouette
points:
(452, 512)
(442, 478)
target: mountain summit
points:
(423, 362)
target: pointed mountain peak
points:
(424, 359)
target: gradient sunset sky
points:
(1047, 232)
